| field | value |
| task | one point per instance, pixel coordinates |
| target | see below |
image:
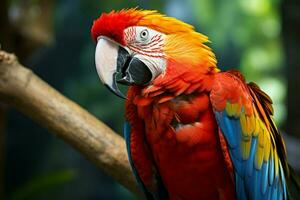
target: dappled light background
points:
(53, 38)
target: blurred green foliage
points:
(249, 31)
(41, 184)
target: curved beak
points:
(112, 59)
(106, 59)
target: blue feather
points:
(268, 193)
(227, 128)
(127, 132)
(250, 161)
(280, 193)
(251, 183)
(271, 170)
(127, 139)
(265, 169)
(238, 165)
(283, 181)
(274, 193)
(240, 187)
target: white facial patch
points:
(147, 45)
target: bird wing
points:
(244, 115)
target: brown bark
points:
(22, 89)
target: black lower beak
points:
(135, 73)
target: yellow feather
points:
(257, 127)
(229, 109)
(261, 137)
(245, 148)
(262, 129)
(276, 162)
(247, 124)
(251, 124)
(236, 109)
(262, 145)
(267, 150)
(187, 48)
(243, 122)
(183, 43)
(259, 155)
(239, 109)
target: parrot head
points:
(135, 47)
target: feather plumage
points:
(254, 134)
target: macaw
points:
(192, 131)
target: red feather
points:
(184, 143)
(113, 24)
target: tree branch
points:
(25, 91)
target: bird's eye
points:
(144, 34)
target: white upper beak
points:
(106, 59)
